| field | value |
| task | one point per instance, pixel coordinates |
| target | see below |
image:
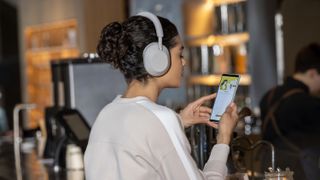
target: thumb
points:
(229, 109)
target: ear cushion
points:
(156, 61)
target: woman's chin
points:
(175, 85)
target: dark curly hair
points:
(122, 44)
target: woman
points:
(132, 137)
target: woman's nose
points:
(183, 62)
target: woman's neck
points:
(137, 88)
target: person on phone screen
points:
(224, 85)
(295, 128)
(133, 137)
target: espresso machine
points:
(81, 88)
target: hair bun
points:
(108, 43)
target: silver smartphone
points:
(227, 89)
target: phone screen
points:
(227, 89)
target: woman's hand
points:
(196, 113)
(227, 124)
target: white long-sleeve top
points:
(128, 141)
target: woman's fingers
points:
(228, 111)
(204, 98)
(202, 109)
(234, 112)
(212, 124)
(231, 109)
(204, 115)
(205, 109)
(204, 112)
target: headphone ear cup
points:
(156, 61)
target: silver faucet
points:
(16, 137)
(255, 145)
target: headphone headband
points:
(156, 58)
(156, 23)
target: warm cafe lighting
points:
(213, 80)
(222, 40)
(198, 17)
(220, 2)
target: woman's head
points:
(122, 44)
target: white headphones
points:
(156, 57)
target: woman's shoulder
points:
(132, 125)
(156, 108)
(130, 115)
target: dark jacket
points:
(298, 116)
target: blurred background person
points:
(291, 116)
